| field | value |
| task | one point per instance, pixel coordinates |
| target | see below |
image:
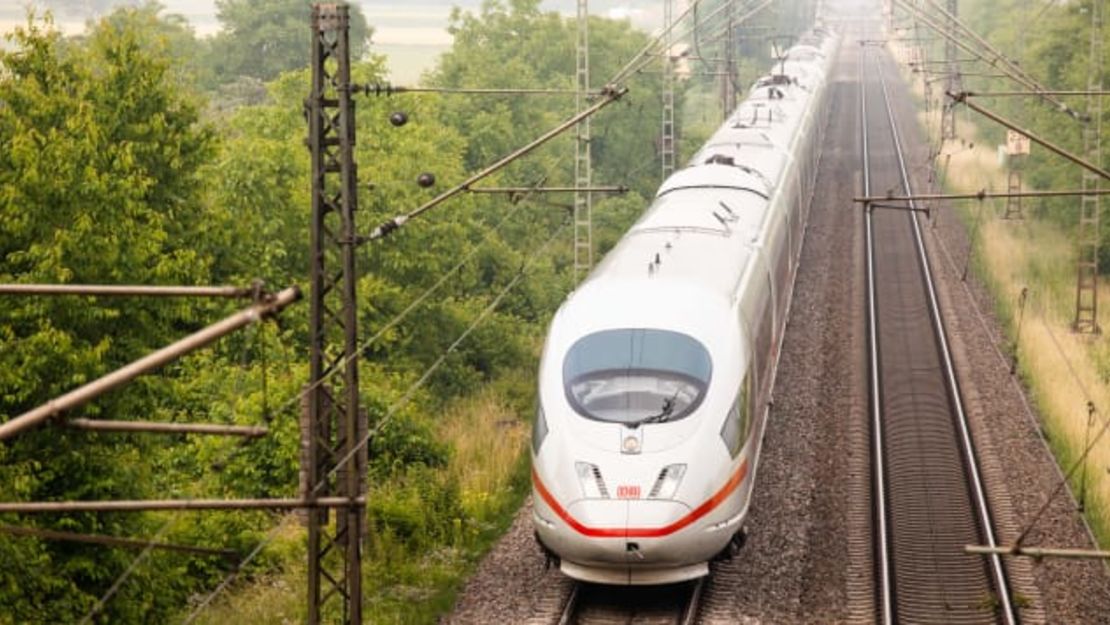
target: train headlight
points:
(589, 478)
(539, 429)
(666, 485)
(630, 445)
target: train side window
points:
(735, 429)
(746, 410)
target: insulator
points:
(399, 118)
(426, 179)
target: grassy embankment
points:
(487, 434)
(1060, 368)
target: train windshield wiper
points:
(663, 415)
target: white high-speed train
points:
(656, 375)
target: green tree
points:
(515, 44)
(87, 8)
(262, 38)
(169, 35)
(99, 164)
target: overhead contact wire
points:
(296, 399)
(390, 413)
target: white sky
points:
(410, 32)
(418, 22)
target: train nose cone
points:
(623, 531)
(600, 518)
(653, 518)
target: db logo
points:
(628, 492)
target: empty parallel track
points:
(595, 604)
(929, 500)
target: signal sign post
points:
(1017, 149)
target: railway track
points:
(595, 604)
(928, 496)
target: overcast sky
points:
(419, 22)
(411, 33)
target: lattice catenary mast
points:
(1016, 162)
(955, 82)
(728, 77)
(666, 138)
(1086, 291)
(583, 200)
(334, 423)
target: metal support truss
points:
(728, 81)
(583, 199)
(1016, 162)
(1086, 289)
(1013, 188)
(335, 424)
(666, 138)
(954, 83)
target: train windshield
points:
(636, 376)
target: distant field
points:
(408, 61)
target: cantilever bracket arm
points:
(609, 94)
(980, 195)
(84, 394)
(963, 98)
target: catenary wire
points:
(390, 413)
(296, 399)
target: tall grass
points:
(1062, 370)
(412, 564)
(488, 440)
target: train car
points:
(656, 375)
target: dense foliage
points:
(124, 160)
(138, 153)
(1051, 42)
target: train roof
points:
(685, 257)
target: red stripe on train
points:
(643, 532)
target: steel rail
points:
(878, 453)
(566, 617)
(690, 612)
(982, 504)
(626, 603)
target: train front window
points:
(636, 376)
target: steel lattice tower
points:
(954, 82)
(1015, 163)
(1014, 208)
(583, 200)
(1086, 291)
(666, 138)
(334, 422)
(728, 80)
